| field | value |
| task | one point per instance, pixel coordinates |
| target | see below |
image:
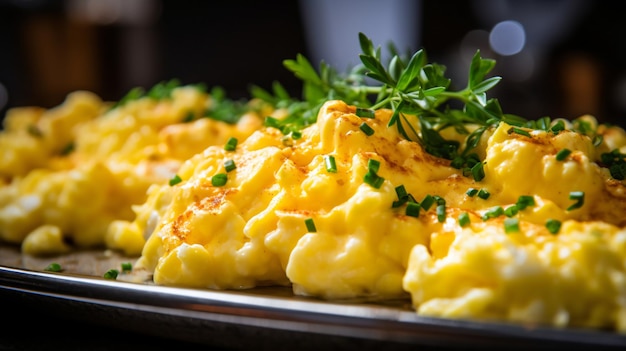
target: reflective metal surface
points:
(272, 317)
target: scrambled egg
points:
(540, 239)
(336, 214)
(70, 174)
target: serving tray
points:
(265, 318)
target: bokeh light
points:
(507, 38)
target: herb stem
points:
(382, 103)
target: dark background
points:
(50, 48)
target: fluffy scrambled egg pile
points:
(349, 211)
(70, 173)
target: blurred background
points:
(558, 58)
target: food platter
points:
(495, 230)
(266, 317)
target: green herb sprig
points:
(161, 90)
(317, 88)
(418, 92)
(615, 161)
(422, 99)
(225, 109)
(420, 96)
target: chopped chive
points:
(295, 135)
(111, 274)
(366, 129)
(553, 226)
(471, 192)
(400, 202)
(579, 196)
(597, 140)
(493, 212)
(618, 170)
(543, 123)
(441, 213)
(271, 122)
(557, 127)
(310, 225)
(511, 225)
(518, 131)
(511, 211)
(478, 172)
(464, 219)
(403, 197)
(365, 112)
(440, 200)
(472, 159)
(54, 267)
(412, 209)
(127, 267)
(219, 179)
(229, 165)
(525, 201)
(484, 194)
(373, 165)
(457, 162)
(231, 144)
(427, 202)
(175, 180)
(610, 157)
(331, 166)
(562, 154)
(373, 179)
(401, 192)
(616, 163)
(582, 126)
